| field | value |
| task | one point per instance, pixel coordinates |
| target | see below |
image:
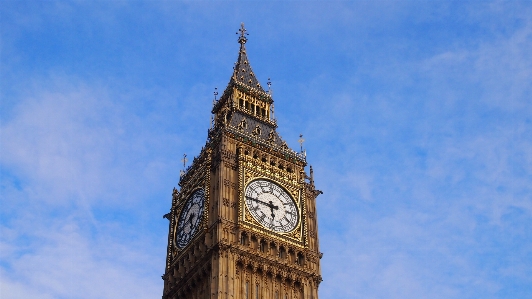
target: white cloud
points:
(60, 140)
(425, 162)
(450, 183)
(74, 159)
(73, 142)
(62, 262)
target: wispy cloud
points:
(452, 197)
(416, 115)
(69, 177)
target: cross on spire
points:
(243, 32)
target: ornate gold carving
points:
(243, 124)
(256, 131)
(248, 217)
(249, 170)
(271, 136)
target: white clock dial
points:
(271, 206)
(190, 218)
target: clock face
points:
(190, 218)
(271, 206)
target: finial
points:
(215, 93)
(311, 176)
(301, 140)
(269, 86)
(184, 160)
(243, 32)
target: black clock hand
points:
(269, 204)
(272, 207)
(259, 201)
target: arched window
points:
(282, 252)
(243, 239)
(299, 259)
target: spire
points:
(242, 72)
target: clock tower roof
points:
(243, 78)
(242, 71)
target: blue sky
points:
(417, 117)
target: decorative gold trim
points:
(199, 178)
(252, 170)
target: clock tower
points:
(244, 224)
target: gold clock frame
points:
(198, 177)
(247, 221)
